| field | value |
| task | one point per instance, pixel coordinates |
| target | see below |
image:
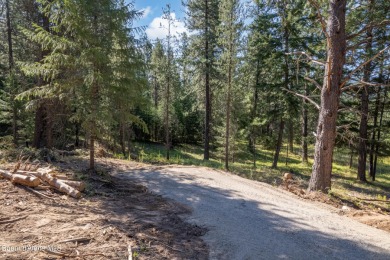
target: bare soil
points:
(113, 216)
(374, 214)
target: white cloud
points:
(146, 11)
(158, 28)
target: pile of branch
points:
(32, 176)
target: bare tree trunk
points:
(49, 126)
(206, 155)
(286, 85)
(304, 129)
(279, 144)
(379, 135)
(252, 137)
(77, 133)
(39, 125)
(167, 131)
(374, 131)
(92, 153)
(156, 87)
(9, 37)
(291, 135)
(122, 138)
(330, 97)
(363, 136)
(93, 134)
(351, 158)
(228, 106)
(11, 74)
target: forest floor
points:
(112, 215)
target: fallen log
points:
(29, 181)
(6, 174)
(78, 185)
(56, 183)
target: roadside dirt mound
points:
(365, 213)
(371, 218)
(118, 217)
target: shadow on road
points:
(248, 229)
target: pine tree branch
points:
(361, 66)
(364, 83)
(304, 97)
(308, 56)
(320, 17)
(368, 27)
(314, 82)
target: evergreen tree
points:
(203, 19)
(88, 52)
(229, 31)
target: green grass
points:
(344, 185)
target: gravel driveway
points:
(252, 220)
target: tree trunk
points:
(77, 133)
(49, 124)
(379, 135)
(304, 129)
(43, 128)
(286, 85)
(373, 136)
(11, 74)
(252, 136)
(228, 108)
(206, 155)
(155, 129)
(291, 135)
(92, 153)
(167, 134)
(278, 144)
(363, 136)
(93, 130)
(330, 97)
(351, 158)
(38, 126)
(362, 160)
(122, 139)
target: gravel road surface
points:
(253, 220)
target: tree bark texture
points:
(330, 97)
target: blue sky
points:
(152, 19)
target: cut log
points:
(56, 183)
(26, 173)
(78, 185)
(29, 181)
(6, 174)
